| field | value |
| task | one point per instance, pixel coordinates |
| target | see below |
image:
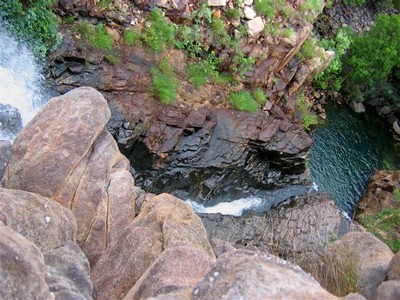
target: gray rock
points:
(388, 290)
(249, 13)
(41, 220)
(21, 268)
(216, 2)
(10, 120)
(67, 273)
(370, 256)
(394, 267)
(246, 274)
(354, 296)
(255, 26)
(5, 154)
(357, 107)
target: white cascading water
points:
(20, 80)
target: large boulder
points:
(388, 290)
(67, 273)
(21, 268)
(79, 164)
(167, 224)
(246, 274)
(42, 221)
(394, 267)
(370, 257)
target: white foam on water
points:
(20, 78)
(233, 208)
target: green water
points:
(347, 150)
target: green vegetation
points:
(241, 64)
(200, 72)
(308, 119)
(259, 96)
(311, 5)
(384, 225)
(233, 14)
(32, 21)
(243, 100)
(373, 64)
(159, 34)
(97, 36)
(164, 85)
(308, 48)
(131, 37)
(268, 8)
(396, 194)
(331, 78)
(113, 59)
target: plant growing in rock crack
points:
(241, 64)
(97, 36)
(259, 96)
(243, 100)
(132, 37)
(164, 85)
(308, 119)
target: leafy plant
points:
(396, 194)
(241, 64)
(331, 78)
(308, 119)
(243, 101)
(267, 8)
(308, 48)
(33, 21)
(164, 85)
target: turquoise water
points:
(347, 149)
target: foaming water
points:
(346, 152)
(20, 79)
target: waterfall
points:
(21, 92)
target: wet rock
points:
(10, 120)
(370, 256)
(5, 154)
(67, 273)
(21, 268)
(307, 226)
(80, 166)
(164, 222)
(394, 267)
(245, 274)
(42, 221)
(388, 290)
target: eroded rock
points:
(42, 221)
(21, 268)
(370, 256)
(245, 274)
(5, 154)
(164, 222)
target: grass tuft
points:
(243, 100)
(164, 86)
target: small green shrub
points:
(188, 39)
(308, 48)
(266, 8)
(159, 34)
(32, 21)
(311, 5)
(243, 101)
(164, 85)
(308, 119)
(131, 37)
(271, 28)
(232, 13)
(259, 96)
(241, 64)
(97, 36)
(288, 33)
(221, 36)
(105, 3)
(200, 72)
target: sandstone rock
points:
(370, 256)
(388, 290)
(245, 274)
(45, 223)
(21, 268)
(178, 267)
(394, 267)
(67, 273)
(216, 2)
(10, 121)
(164, 222)
(249, 13)
(79, 164)
(5, 154)
(255, 26)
